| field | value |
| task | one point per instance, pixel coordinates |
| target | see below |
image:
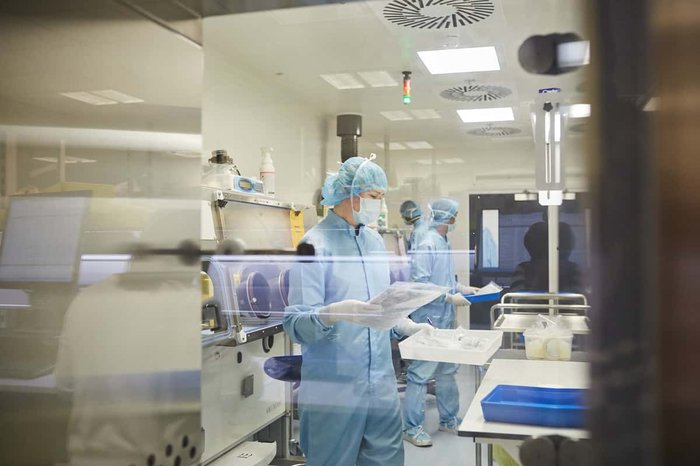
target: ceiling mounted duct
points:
(437, 14)
(495, 131)
(475, 93)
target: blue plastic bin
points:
(551, 407)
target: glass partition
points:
(449, 101)
(100, 353)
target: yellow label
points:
(296, 220)
(236, 278)
(207, 286)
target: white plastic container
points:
(414, 347)
(220, 177)
(267, 171)
(553, 348)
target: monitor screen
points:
(41, 238)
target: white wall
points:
(243, 110)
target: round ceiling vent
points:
(495, 131)
(437, 14)
(475, 93)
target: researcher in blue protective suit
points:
(433, 262)
(348, 399)
(413, 216)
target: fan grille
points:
(495, 131)
(425, 14)
(475, 93)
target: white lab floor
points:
(448, 449)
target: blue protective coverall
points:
(348, 399)
(432, 262)
(418, 231)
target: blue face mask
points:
(369, 208)
(369, 211)
(451, 227)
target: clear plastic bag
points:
(548, 339)
(457, 339)
(400, 300)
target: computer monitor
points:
(41, 239)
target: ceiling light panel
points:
(342, 81)
(453, 161)
(418, 145)
(467, 60)
(117, 96)
(89, 98)
(478, 115)
(392, 146)
(396, 115)
(579, 110)
(652, 105)
(378, 78)
(426, 114)
(68, 160)
(571, 54)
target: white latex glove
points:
(457, 299)
(350, 310)
(464, 289)
(407, 327)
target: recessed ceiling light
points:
(392, 146)
(426, 114)
(453, 160)
(117, 96)
(428, 162)
(342, 81)
(89, 98)
(70, 160)
(652, 105)
(418, 145)
(396, 115)
(378, 78)
(467, 60)
(580, 110)
(572, 54)
(475, 115)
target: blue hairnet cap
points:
(410, 210)
(357, 174)
(442, 210)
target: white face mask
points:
(451, 227)
(369, 211)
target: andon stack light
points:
(406, 87)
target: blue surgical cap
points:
(357, 174)
(442, 210)
(410, 210)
